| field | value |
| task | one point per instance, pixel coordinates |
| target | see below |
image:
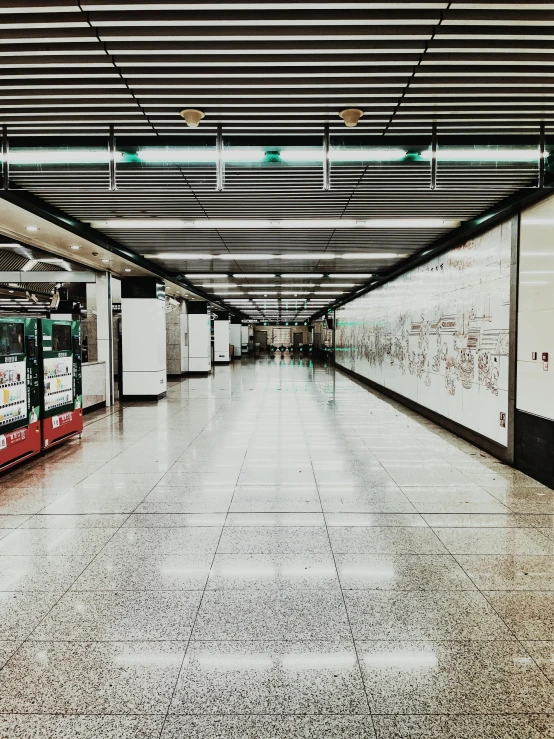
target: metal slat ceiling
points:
(276, 69)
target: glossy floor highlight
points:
(274, 552)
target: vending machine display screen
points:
(61, 337)
(11, 338)
(58, 381)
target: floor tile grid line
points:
(188, 641)
(161, 423)
(28, 637)
(343, 599)
(506, 624)
(99, 469)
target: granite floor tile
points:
(466, 499)
(315, 677)
(91, 678)
(543, 654)
(401, 572)
(274, 540)
(20, 612)
(476, 520)
(275, 499)
(494, 541)
(69, 542)
(271, 614)
(37, 726)
(509, 572)
(464, 727)
(286, 475)
(269, 727)
(40, 572)
(359, 499)
(423, 615)
(13, 521)
(375, 519)
(260, 571)
(275, 519)
(173, 520)
(153, 571)
(385, 540)
(75, 521)
(453, 677)
(120, 616)
(145, 542)
(529, 614)
(89, 502)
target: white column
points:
(199, 337)
(144, 351)
(221, 340)
(104, 330)
(184, 337)
(235, 338)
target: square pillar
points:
(235, 336)
(221, 339)
(143, 336)
(199, 337)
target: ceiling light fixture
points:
(343, 275)
(74, 247)
(207, 276)
(31, 228)
(192, 117)
(351, 116)
(263, 223)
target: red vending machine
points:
(60, 380)
(19, 391)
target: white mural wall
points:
(439, 334)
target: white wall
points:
(439, 334)
(535, 385)
(143, 346)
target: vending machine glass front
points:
(13, 376)
(58, 370)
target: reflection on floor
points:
(274, 552)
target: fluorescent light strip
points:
(302, 275)
(261, 223)
(207, 276)
(484, 155)
(254, 275)
(342, 155)
(346, 275)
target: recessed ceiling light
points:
(127, 269)
(31, 228)
(106, 261)
(74, 247)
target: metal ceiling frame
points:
(38, 207)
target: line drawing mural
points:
(439, 334)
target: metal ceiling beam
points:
(35, 205)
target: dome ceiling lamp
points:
(192, 116)
(351, 116)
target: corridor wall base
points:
(487, 445)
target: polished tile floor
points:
(274, 552)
